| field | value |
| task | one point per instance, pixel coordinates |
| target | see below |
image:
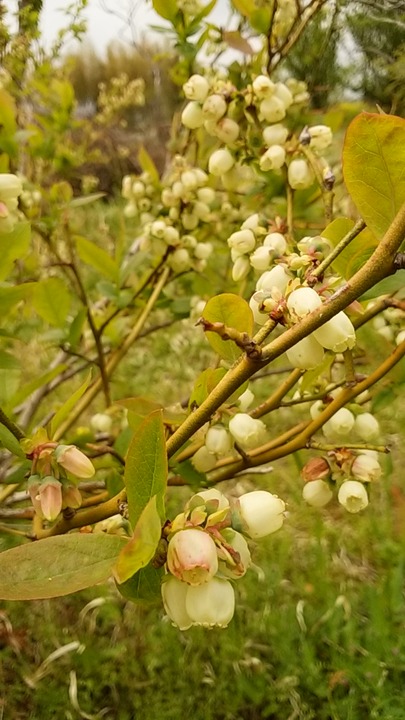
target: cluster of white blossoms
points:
(347, 471)
(10, 190)
(229, 115)
(390, 324)
(243, 431)
(208, 549)
(174, 214)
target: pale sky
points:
(104, 26)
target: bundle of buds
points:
(55, 469)
(208, 549)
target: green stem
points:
(10, 425)
(344, 242)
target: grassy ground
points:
(318, 633)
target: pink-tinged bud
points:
(33, 488)
(315, 469)
(366, 426)
(261, 513)
(192, 556)
(366, 468)
(306, 354)
(337, 334)
(212, 604)
(74, 461)
(50, 498)
(353, 496)
(317, 493)
(174, 600)
(248, 432)
(234, 557)
(71, 496)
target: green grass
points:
(319, 634)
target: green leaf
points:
(260, 20)
(233, 311)
(207, 381)
(373, 168)
(142, 406)
(146, 467)
(64, 411)
(76, 328)
(10, 442)
(167, 9)
(245, 7)
(147, 164)
(388, 286)
(57, 565)
(144, 586)
(51, 300)
(10, 296)
(353, 257)
(97, 258)
(139, 551)
(13, 246)
(8, 361)
(26, 390)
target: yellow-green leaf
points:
(147, 164)
(146, 467)
(373, 168)
(13, 246)
(233, 311)
(97, 258)
(245, 7)
(139, 551)
(356, 254)
(167, 9)
(51, 300)
(58, 565)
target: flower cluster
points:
(208, 549)
(55, 469)
(174, 214)
(348, 471)
(10, 190)
(245, 431)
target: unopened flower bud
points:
(366, 468)
(282, 92)
(248, 432)
(353, 496)
(180, 260)
(192, 116)
(300, 175)
(245, 400)
(272, 109)
(240, 269)
(101, 422)
(275, 135)
(261, 258)
(366, 426)
(263, 87)
(220, 162)
(227, 130)
(242, 240)
(261, 513)
(50, 498)
(192, 556)
(274, 278)
(210, 495)
(196, 88)
(337, 334)
(74, 461)
(211, 604)
(317, 493)
(214, 107)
